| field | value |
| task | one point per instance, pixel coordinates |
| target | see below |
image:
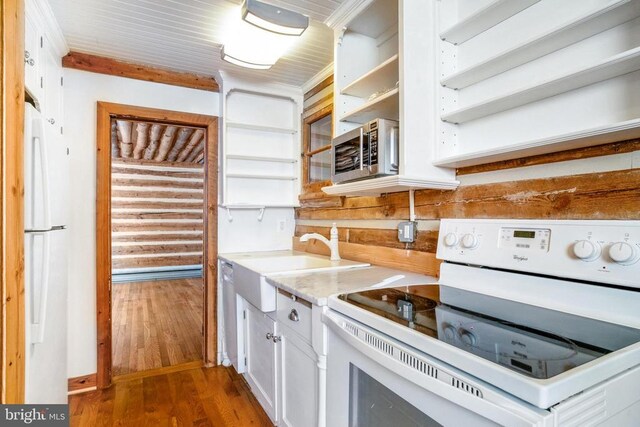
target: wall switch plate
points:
(407, 231)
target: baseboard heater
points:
(124, 275)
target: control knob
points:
(467, 337)
(469, 241)
(449, 331)
(586, 250)
(623, 253)
(450, 239)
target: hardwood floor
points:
(198, 397)
(156, 324)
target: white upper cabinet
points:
(385, 53)
(33, 69)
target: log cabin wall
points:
(157, 214)
(600, 182)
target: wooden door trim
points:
(12, 320)
(103, 225)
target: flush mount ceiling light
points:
(241, 63)
(274, 19)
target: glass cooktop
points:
(532, 341)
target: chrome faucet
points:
(332, 244)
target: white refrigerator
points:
(46, 186)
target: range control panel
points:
(596, 251)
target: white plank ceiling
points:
(186, 35)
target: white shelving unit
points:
(584, 138)
(384, 75)
(623, 63)
(262, 158)
(370, 59)
(261, 144)
(485, 18)
(583, 27)
(573, 82)
(384, 106)
(261, 128)
(389, 184)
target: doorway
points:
(156, 236)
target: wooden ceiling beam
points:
(196, 138)
(141, 140)
(181, 140)
(195, 153)
(114, 67)
(124, 130)
(154, 140)
(166, 143)
(115, 148)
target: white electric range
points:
(533, 323)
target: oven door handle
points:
(511, 415)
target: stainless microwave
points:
(368, 151)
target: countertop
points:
(317, 287)
(287, 262)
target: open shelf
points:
(249, 126)
(376, 19)
(617, 65)
(262, 158)
(583, 27)
(384, 107)
(388, 184)
(258, 176)
(584, 138)
(383, 76)
(485, 18)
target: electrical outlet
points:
(407, 231)
(282, 225)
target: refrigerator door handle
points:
(44, 164)
(40, 298)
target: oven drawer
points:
(295, 313)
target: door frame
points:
(106, 111)
(12, 318)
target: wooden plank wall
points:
(600, 182)
(157, 213)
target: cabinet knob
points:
(52, 121)
(277, 338)
(293, 316)
(28, 59)
(269, 336)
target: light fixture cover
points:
(274, 19)
(243, 63)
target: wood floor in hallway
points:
(156, 324)
(197, 397)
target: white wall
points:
(82, 90)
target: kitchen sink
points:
(251, 284)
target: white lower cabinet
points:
(281, 363)
(262, 355)
(299, 385)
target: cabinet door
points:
(32, 58)
(261, 359)
(299, 381)
(52, 110)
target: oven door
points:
(376, 381)
(350, 156)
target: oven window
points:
(371, 404)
